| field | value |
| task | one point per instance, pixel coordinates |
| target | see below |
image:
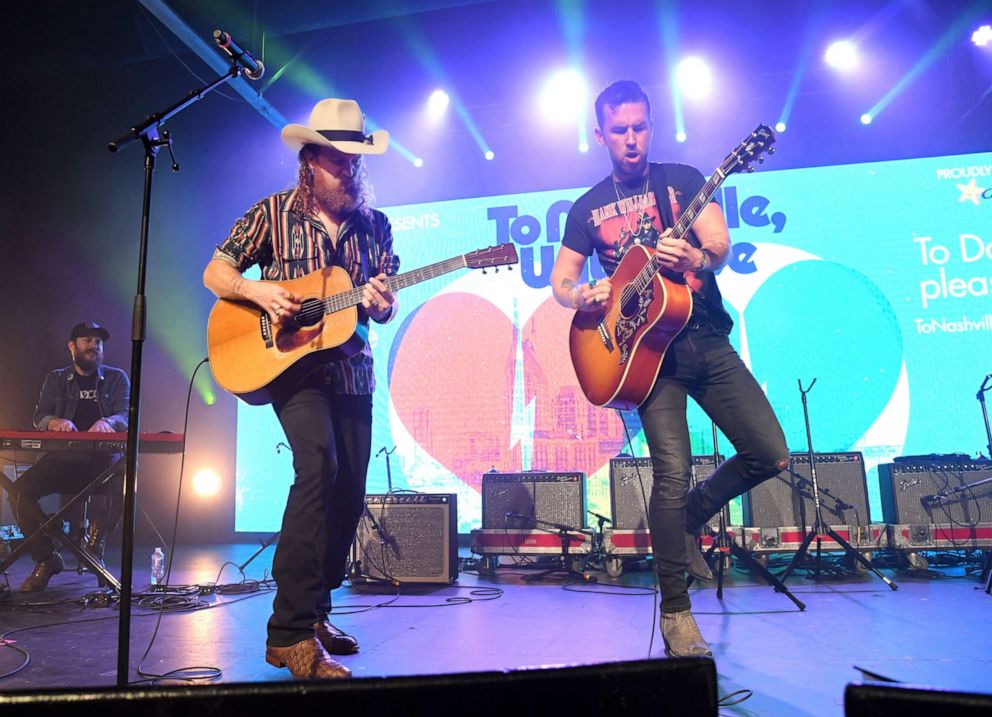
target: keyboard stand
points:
(49, 526)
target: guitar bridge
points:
(604, 336)
(265, 328)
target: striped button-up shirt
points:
(286, 244)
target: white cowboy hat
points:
(339, 124)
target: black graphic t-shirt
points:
(88, 410)
(611, 217)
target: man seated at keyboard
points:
(84, 396)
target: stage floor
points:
(935, 630)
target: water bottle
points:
(158, 566)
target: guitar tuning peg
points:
(483, 270)
(496, 270)
(509, 268)
(771, 150)
(750, 169)
(761, 160)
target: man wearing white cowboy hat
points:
(326, 219)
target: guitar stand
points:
(48, 525)
(724, 544)
(819, 528)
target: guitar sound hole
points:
(631, 304)
(311, 312)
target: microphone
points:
(381, 451)
(254, 69)
(599, 517)
(928, 500)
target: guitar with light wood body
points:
(259, 361)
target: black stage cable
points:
(197, 673)
(647, 515)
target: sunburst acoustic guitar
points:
(617, 353)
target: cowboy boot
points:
(334, 640)
(42, 573)
(697, 566)
(682, 636)
(307, 660)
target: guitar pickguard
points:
(630, 321)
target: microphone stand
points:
(148, 132)
(724, 543)
(819, 528)
(356, 574)
(389, 472)
(985, 414)
(598, 553)
(564, 535)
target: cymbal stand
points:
(819, 528)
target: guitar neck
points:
(688, 216)
(353, 297)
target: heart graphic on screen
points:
(452, 384)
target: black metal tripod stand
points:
(819, 528)
(565, 535)
(724, 544)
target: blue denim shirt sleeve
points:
(115, 396)
(47, 408)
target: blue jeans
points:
(331, 438)
(702, 364)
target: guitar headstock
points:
(752, 149)
(499, 255)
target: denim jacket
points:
(60, 397)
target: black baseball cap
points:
(89, 328)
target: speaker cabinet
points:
(786, 499)
(683, 686)
(883, 700)
(630, 489)
(407, 538)
(558, 498)
(926, 493)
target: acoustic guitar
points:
(258, 361)
(617, 352)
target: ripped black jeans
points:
(701, 363)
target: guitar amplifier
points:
(786, 499)
(921, 493)
(630, 490)
(558, 498)
(409, 538)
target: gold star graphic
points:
(970, 192)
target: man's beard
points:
(87, 361)
(342, 199)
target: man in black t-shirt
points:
(638, 203)
(85, 396)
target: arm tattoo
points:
(237, 284)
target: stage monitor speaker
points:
(682, 687)
(786, 499)
(630, 489)
(558, 498)
(407, 538)
(886, 700)
(919, 493)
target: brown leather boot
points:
(42, 573)
(307, 660)
(335, 640)
(697, 563)
(682, 636)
